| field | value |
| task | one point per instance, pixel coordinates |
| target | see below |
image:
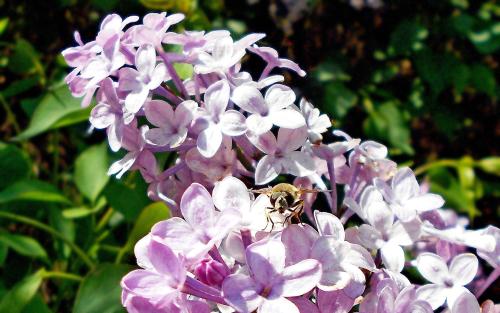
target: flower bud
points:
(211, 272)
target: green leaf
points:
(100, 291)
(386, 122)
(23, 245)
(490, 165)
(91, 168)
(338, 99)
(24, 59)
(78, 212)
(483, 79)
(14, 165)
(32, 190)
(149, 216)
(21, 294)
(58, 108)
(20, 86)
(4, 22)
(408, 36)
(4, 251)
(126, 199)
(37, 305)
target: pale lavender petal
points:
(136, 98)
(463, 268)
(291, 139)
(370, 237)
(300, 278)
(404, 184)
(278, 305)
(209, 141)
(279, 97)
(265, 170)
(259, 124)
(405, 234)
(434, 294)
(145, 59)
(432, 267)
(159, 113)
(158, 137)
(158, 75)
(334, 302)
(217, 97)
(266, 260)
(249, 99)
(184, 113)
(233, 123)
(329, 225)
(265, 142)
(298, 241)
(466, 303)
(304, 304)
(197, 206)
(231, 193)
(393, 257)
(424, 203)
(166, 262)
(242, 293)
(287, 118)
(149, 285)
(102, 116)
(360, 257)
(298, 163)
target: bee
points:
(285, 200)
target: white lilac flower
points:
(447, 283)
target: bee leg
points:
(268, 218)
(299, 208)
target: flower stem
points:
(63, 275)
(26, 220)
(162, 91)
(171, 70)
(199, 289)
(491, 278)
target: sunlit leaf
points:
(32, 190)
(23, 245)
(490, 165)
(151, 214)
(100, 291)
(21, 294)
(37, 305)
(91, 168)
(57, 108)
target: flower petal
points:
(209, 141)
(432, 267)
(466, 303)
(425, 202)
(463, 268)
(266, 259)
(233, 123)
(266, 170)
(279, 97)
(159, 113)
(242, 293)
(231, 193)
(291, 139)
(259, 124)
(217, 97)
(279, 305)
(197, 206)
(393, 257)
(287, 118)
(329, 225)
(434, 294)
(404, 184)
(300, 278)
(249, 99)
(145, 59)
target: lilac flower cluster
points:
(224, 250)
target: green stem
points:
(63, 275)
(441, 163)
(10, 115)
(26, 220)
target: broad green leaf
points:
(127, 199)
(20, 86)
(78, 212)
(23, 245)
(21, 294)
(24, 59)
(150, 215)
(32, 190)
(14, 165)
(58, 108)
(91, 168)
(490, 165)
(100, 291)
(483, 79)
(37, 305)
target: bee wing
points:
(304, 190)
(262, 191)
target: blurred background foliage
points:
(420, 77)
